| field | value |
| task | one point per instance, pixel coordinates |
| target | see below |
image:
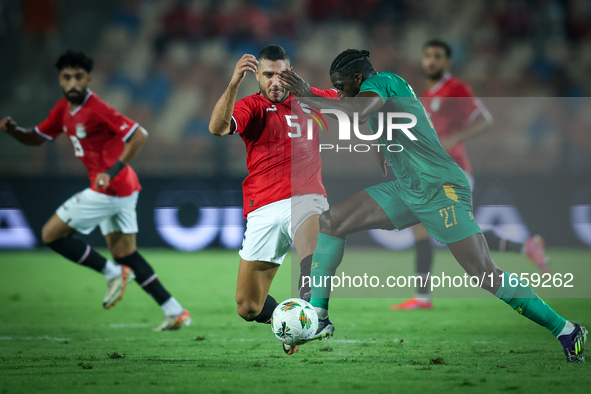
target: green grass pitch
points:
(55, 337)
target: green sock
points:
(525, 302)
(327, 257)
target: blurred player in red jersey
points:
(283, 192)
(105, 141)
(457, 116)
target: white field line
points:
(43, 338)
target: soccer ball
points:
(294, 321)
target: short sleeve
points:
(118, 123)
(378, 84)
(469, 105)
(329, 93)
(52, 126)
(244, 111)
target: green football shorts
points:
(447, 216)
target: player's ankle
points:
(423, 297)
(322, 313)
(567, 329)
(172, 307)
(112, 270)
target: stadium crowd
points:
(164, 63)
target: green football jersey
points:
(422, 166)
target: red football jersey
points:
(282, 156)
(452, 115)
(97, 133)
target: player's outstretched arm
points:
(132, 148)
(221, 117)
(371, 103)
(27, 137)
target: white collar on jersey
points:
(81, 105)
(440, 83)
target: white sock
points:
(322, 313)
(423, 298)
(112, 270)
(568, 329)
(172, 307)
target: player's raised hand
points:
(8, 125)
(246, 63)
(102, 181)
(295, 84)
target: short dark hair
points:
(351, 62)
(439, 44)
(74, 59)
(273, 52)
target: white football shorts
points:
(270, 229)
(88, 209)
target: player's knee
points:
(121, 247)
(488, 266)
(328, 224)
(55, 229)
(492, 274)
(47, 235)
(248, 310)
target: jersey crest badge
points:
(80, 131)
(305, 108)
(272, 108)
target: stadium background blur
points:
(165, 63)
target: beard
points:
(265, 94)
(436, 76)
(75, 97)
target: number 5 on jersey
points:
(298, 132)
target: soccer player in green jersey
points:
(430, 188)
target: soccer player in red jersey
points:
(457, 116)
(105, 141)
(283, 192)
